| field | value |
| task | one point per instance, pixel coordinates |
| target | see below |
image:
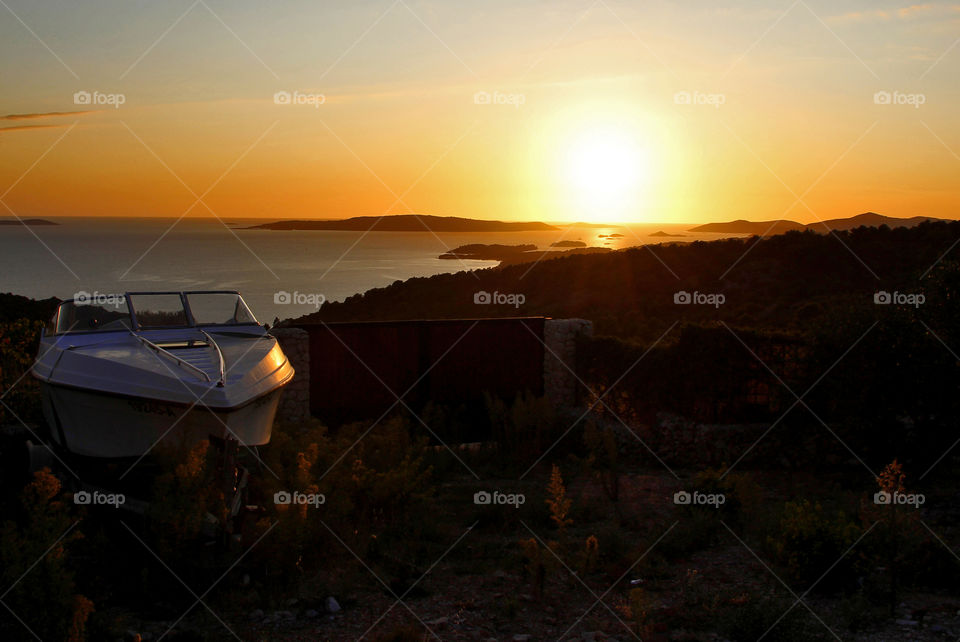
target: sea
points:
(281, 274)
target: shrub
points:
(378, 496)
(524, 429)
(557, 501)
(741, 493)
(184, 493)
(18, 347)
(42, 582)
(810, 541)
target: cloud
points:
(22, 127)
(48, 114)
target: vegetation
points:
(394, 515)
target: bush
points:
(810, 541)
(523, 430)
(378, 496)
(183, 495)
(19, 341)
(42, 592)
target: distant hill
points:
(779, 226)
(871, 219)
(409, 223)
(741, 226)
(26, 221)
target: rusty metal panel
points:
(357, 370)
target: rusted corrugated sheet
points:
(357, 370)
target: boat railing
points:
(223, 370)
(180, 362)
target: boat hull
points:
(95, 424)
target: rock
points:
(521, 637)
(283, 615)
(312, 613)
(908, 623)
(439, 623)
(292, 601)
(500, 575)
(332, 605)
(132, 636)
(257, 614)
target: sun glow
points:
(608, 172)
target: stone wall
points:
(560, 384)
(295, 400)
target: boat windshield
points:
(101, 313)
(94, 313)
(218, 308)
(161, 310)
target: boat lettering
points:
(152, 407)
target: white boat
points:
(121, 374)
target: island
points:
(26, 221)
(481, 252)
(513, 254)
(662, 234)
(741, 226)
(779, 226)
(408, 223)
(568, 244)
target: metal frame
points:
(135, 325)
(180, 362)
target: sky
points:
(595, 110)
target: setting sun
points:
(607, 171)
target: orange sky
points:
(588, 116)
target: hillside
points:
(27, 221)
(868, 218)
(741, 226)
(14, 306)
(408, 223)
(782, 282)
(781, 226)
